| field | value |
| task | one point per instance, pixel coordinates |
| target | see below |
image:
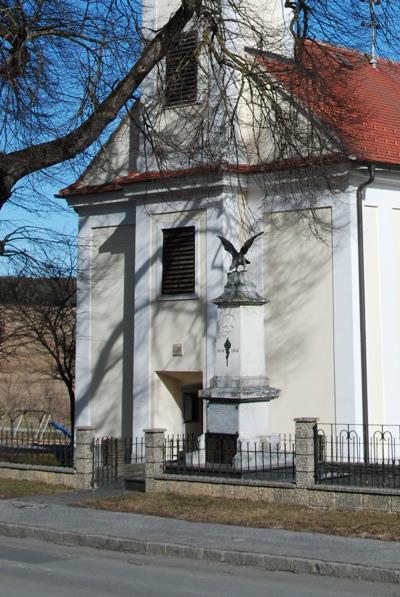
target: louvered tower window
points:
(181, 71)
(178, 261)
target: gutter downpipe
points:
(361, 286)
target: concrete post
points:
(305, 446)
(83, 456)
(121, 456)
(154, 440)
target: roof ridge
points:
(349, 50)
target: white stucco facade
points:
(128, 378)
(139, 353)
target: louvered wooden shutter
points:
(178, 261)
(181, 71)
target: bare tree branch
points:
(16, 165)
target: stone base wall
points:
(304, 492)
(78, 477)
(321, 497)
(51, 475)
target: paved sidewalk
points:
(55, 518)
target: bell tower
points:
(196, 100)
(273, 13)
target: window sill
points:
(178, 297)
(182, 104)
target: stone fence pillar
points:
(154, 455)
(83, 456)
(305, 447)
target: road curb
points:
(269, 562)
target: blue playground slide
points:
(60, 427)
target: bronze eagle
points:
(238, 257)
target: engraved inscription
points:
(223, 350)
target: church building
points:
(322, 185)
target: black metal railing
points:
(223, 455)
(50, 448)
(343, 458)
(114, 458)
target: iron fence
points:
(114, 458)
(25, 447)
(358, 455)
(223, 455)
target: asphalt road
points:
(38, 569)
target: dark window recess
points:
(191, 407)
(181, 71)
(178, 261)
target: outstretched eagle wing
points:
(248, 243)
(228, 246)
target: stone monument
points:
(239, 393)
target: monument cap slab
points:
(239, 290)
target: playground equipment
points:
(61, 428)
(35, 422)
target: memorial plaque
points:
(222, 417)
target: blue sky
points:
(93, 46)
(63, 220)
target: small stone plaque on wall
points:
(177, 350)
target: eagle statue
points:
(238, 257)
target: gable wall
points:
(105, 310)
(112, 309)
(381, 213)
(177, 322)
(112, 329)
(311, 323)
(299, 318)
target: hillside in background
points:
(29, 379)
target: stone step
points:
(131, 470)
(134, 483)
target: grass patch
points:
(11, 488)
(376, 525)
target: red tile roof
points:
(136, 177)
(77, 188)
(358, 102)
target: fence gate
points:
(115, 458)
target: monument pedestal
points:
(239, 392)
